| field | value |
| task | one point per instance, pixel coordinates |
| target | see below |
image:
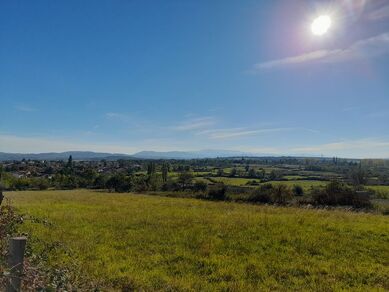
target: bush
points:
(119, 183)
(9, 221)
(252, 183)
(40, 184)
(335, 193)
(268, 193)
(217, 192)
(185, 179)
(140, 183)
(262, 194)
(338, 194)
(361, 199)
(298, 190)
(100, 182)
(171, 185)
(200, 186)
(281, 194)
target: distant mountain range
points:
(189, 154)
(87, 155)
(76, 155)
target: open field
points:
(305, 184)
(382, 190)
(232, 181)
(160, 243)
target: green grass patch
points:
(293, 177)
(232, 181)
(305, 184)
(172, 244)
(382, 191)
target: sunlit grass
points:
(233, 181)
(160, 243)
(305, 184)
(382, 190)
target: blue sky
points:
(124, 76)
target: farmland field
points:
(305, 184)
(158, 243)
(383, 190)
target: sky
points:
(129, 75)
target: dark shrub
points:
(140, 183)
(100, 181)
(119, 183)
(217, 192)
(281, 194)
(185, 179)
(252, 183)
(262, 194)
(361, 199)
(337, 193)
(200, 186)
(171, 185)
(40, 184)
(298, 190)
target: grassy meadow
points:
(118, 241)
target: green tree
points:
(233, 172)
(298, 190)
(119, 183)
(89, 175)
(200, 186)
(185, 179)
(154, 182)
(70, 162)
(150, 168)
(252, 173)
(281, 194)
(100, 182)
(217, 192)
(358, 176)
(274, 175)
(165, 171)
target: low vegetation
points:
(281, 181)
(93, 239)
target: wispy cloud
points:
(357, 148)
(238, 132)
(195, 124)
(371, 47)
(349, 148)
(379, 14)
(25, 108)
(304, 58)
(117, 116)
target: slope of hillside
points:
(158, 243)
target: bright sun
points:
(321, 25)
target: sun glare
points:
(321, 25)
